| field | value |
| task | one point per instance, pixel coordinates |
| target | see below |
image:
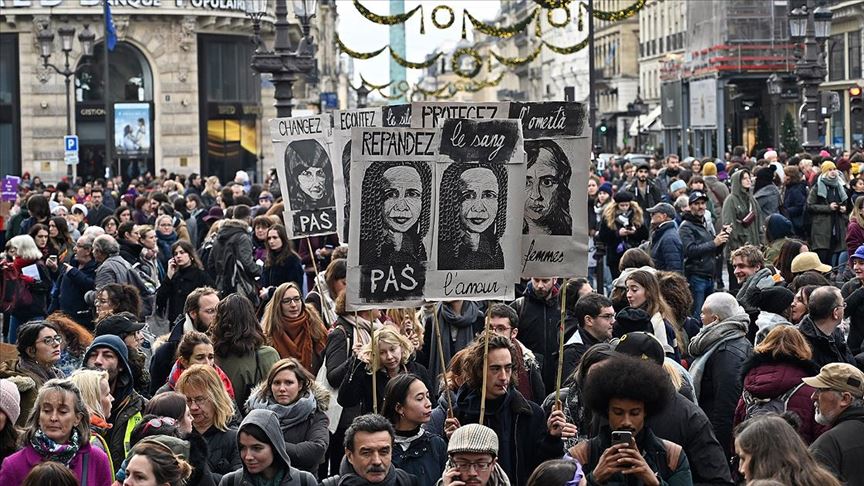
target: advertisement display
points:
(132, 130)
(703, 103)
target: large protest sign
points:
(431, 114)
(391, 214)
(479, 176)
(555, 224)
(343, 122)
(307, 176)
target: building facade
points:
(181, 93)
(845, 57)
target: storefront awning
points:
(649, 122)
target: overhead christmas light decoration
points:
(500, 32)
(390, 19)
(456, 62)
(414, 65)
(517, 61)
(615, 15)
(449, 22)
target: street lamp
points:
(284, 62)
(639, 108)
(813, 27)
(46, 47)
(362, 95)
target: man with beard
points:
(539, 314)
(645, 192)
(473, 451)
(839, 402)
(526, 436)
(109, 353)
(98, 211)
(701, 247)
(627, 392)
(595, 315)
(671, 173)
(369, 455)
(198, 313)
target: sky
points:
(362, 35)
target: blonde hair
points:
(88, 381)
(609, 214)
(25, 247)
(399, 315)
(67, 389)
(387, 335)
(204, 377)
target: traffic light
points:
(603, 128)
(856, 99)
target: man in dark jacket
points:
(76, 279)
(795, 200)
(539, 314)
(666, 248)
(853, 295)
(595, 315)
(198, 314)
(719, 352)
(98, 211)
(504, 322)
(839, 398)
(681, 421)
(368, 456)
(819, 327)
(110, 353)
(526, 437)
(130, 249)
(701, 248)
(644, 191)
(232, 258)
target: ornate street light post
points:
(639, 108)
(813, 27)
(362, 95)
(46, 47)
(284, 62)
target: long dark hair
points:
(558, 221)
(63, 236)
(287, 250)
(783, 263)
(188, 248)
(395, 394)
(235, 330)
(299, 156)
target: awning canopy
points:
(650, 122)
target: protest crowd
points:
(167, 331)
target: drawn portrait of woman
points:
(395, 212)
(346, 174)
(310, 177)
(473, 215)
(547, 188)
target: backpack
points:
(754, 407)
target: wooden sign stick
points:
(443, 362)
(561, 346)
(374, 371)
(485, 370)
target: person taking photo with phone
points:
(628, 392)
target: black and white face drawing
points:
(395, 212)
(346, 174)
(472, 216)
(310, 176)
(547, 202)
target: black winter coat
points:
(853, 294)
(794, 205)
(340, 341)
(232, 244)
(425, 458)
(826, 349)
(667, 249)
(165, 355)
(356, 387)
(171, 296)
(699, 248)
(841, 449)
(223, 454)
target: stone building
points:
(180, 71)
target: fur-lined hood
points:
(319, 393)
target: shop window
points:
(836, 66)
(855, 55)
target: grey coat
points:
(827, 227)
(266, 420)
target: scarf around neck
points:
(457, 327)
(52, 451)
(288, 415)
(39, 373)
(301, 345)
(823, 183)
(703, 345)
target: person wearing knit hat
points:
(766, 193)
(605, 187)
(709, 169)
(677, 188)
(10, 402)
(828, 205)
(473, 451)
(827, 166)
(773, 303)
(623, 196)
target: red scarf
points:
(300, 345)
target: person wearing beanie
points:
(622, 227)
(605, 187)
(677, 188)
(709, 169)
(473, 451)
(778, 230)
(766, 193)
(853, 295)
(828, 206)
(10, 408)
(774, 304)
(108, 352)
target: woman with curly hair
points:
(768, 448)
(395, 212)
(238, 344)
(472, 216)
(547, 183)
(628, 393)
(115, 298)
(300, 404)
(294, 328)
(623, 227)
(76, 339)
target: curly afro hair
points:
(630, 378)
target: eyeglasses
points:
(196, 401)
(291, 300)
(501, 329)
(50, 340)
(841, 306)
(606, 316)
(467, 466)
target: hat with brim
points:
(858, 255)
(697, 196)
(642, 345)
(842, 377)
(118, 325)
(663, 208)
(804, 262)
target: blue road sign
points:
(71, 143)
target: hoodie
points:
(268, 423)
(735, 209)
(127, 405)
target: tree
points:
(789, 135)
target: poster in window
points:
(132, 130)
